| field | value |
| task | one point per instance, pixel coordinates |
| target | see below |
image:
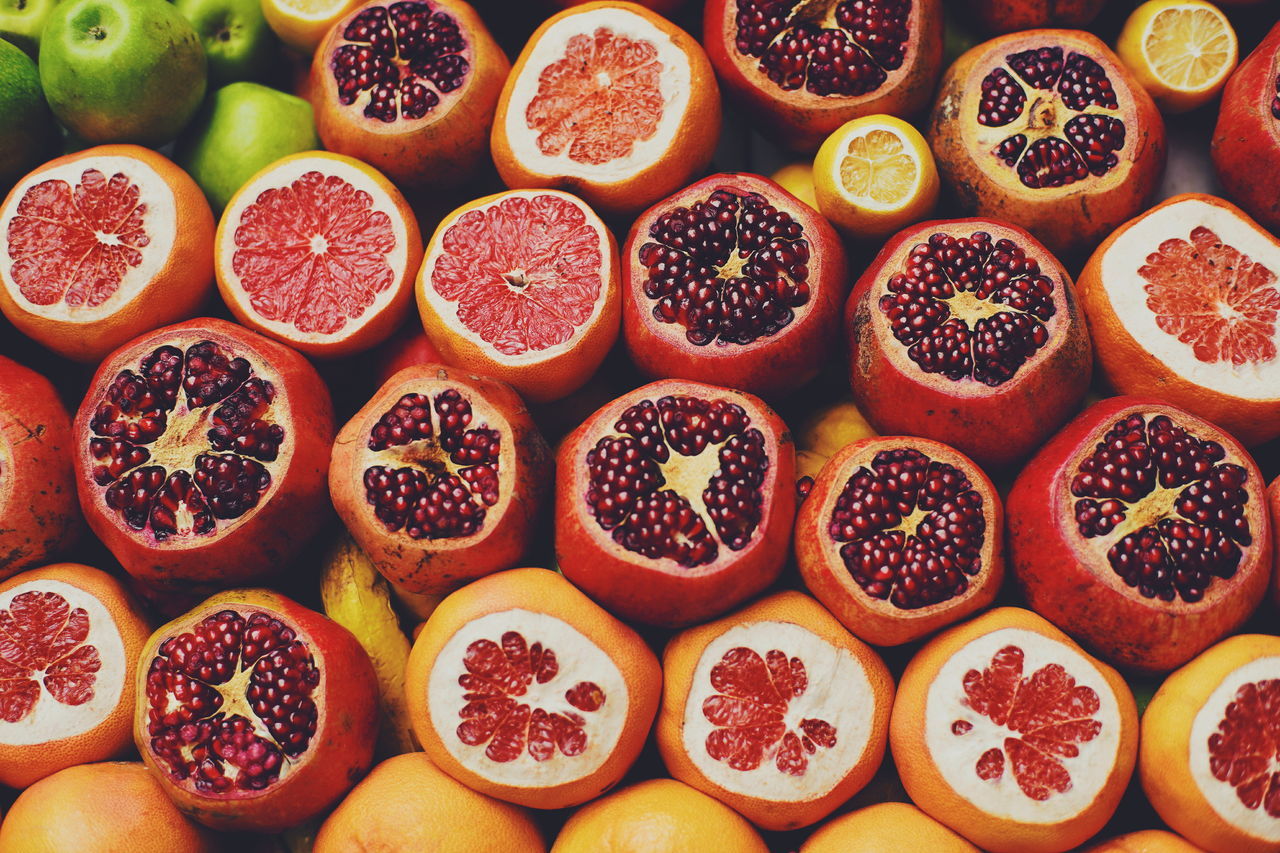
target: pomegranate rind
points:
(1246, 141)
(995, 425)
(1173, 761)
(770, 365)
(1067, 219)
(1052, 563)
(874, 620)
(849, 687)
(501, 601)
(679, 148)
(944, 784)
(660, 591)
(336, 756)
(540, 375)
(386, 308)
(165, 279)
(524, 470)
(800, 119)
(1136, 355)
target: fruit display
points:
(640, 426)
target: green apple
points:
(244, 127)
(27, 132)
(122, 70)
(22, 21)
(236, 38)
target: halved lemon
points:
(1181, 51)
(303, 23)
(874, 175)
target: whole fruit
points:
(1007, 16)
(237, 41)
(1246, 141)
(28, 131)
(22, 22)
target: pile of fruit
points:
(426, 427)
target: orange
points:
(102, 245)
(885, 828)
(100, 808)
(524, 689)
(1181, 51)
(407, 803)
(1210, 742)
(775, 710)
(72, 636)
(797, 179)
(658, 816)
(1009, 733)
(1145, 841)
(826, 431)
(523, 286)
(318, 250)
(302, 24)
(610, 101)
(1273, 494)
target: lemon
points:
(1181, 51)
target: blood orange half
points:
(101, 246)
(318, 250)
(523, 286)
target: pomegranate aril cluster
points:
(1177, 555)
(1275, 102)
(766, 254)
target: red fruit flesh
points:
(1273, 494)
(1159, 515)
(1246, 141)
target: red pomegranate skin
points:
(1246, 141)
(1007, 16)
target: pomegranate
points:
(39, 518)
(440, 477)
(255, 712)
(967, 331)
(1007, 16)
(805, 67)
(900, 536)
(407, 347)
(1246, 141)
(1048, 130)
(410, 88)
(675, 502)
(733, 280)
(1142, 531)
(200, 455)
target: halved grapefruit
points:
(318, 250)
(100, 246)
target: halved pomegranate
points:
(1142, 531)
(409, 87)
(735, 281)
(900, 536)
(675, 502)
(200, 454)
(1048, 130)
(805, 67)
(1009, 16)
(255, 712)
(967, 331)
(440, 477)
(1246, 141)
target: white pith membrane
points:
(879, 162)
(579, 660)
(1206, 305)
(293, 183)
(838, 693)
(114, 234)
(957, 755)
(674, 87)
(504, 263)
(1221, 794)
(92, 693)
(6, 464)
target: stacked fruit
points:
(1009, 580)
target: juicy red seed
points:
(1097, 138)
(1051, 162)
(408, 420)
(1002, 99)
(179, 507)
(804, 486)
(231, 484)
(211, 376)
(1011, 149)
(1275, 103)
(1040, 67)
(239, 425)
(1085, 83)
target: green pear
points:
(236, 38)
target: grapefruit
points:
(1145, 841)
(885, 828)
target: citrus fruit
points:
(524, 689)
(102, 245)
(1008, 733)
(407, 803)
(825, 432)
(318, 250)
(797, 179)
(1185, 299)
(100, 808)
(523, 286)
(885, 828)
(1210, 743)
(657, 816)
(775, 710)
(1145, 841)
(610, 101)
(1273, 495)
(302, 24)
(29, 129)
(874, 175)
(1181, 51)
(72, 636)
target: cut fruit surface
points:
(1181, 51)
(302, 24)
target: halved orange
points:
(1145, 841)
(1181, 51)
(1009, 733)
(524, 689)
(885, 828)
(1210, 747)
(302, 24)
